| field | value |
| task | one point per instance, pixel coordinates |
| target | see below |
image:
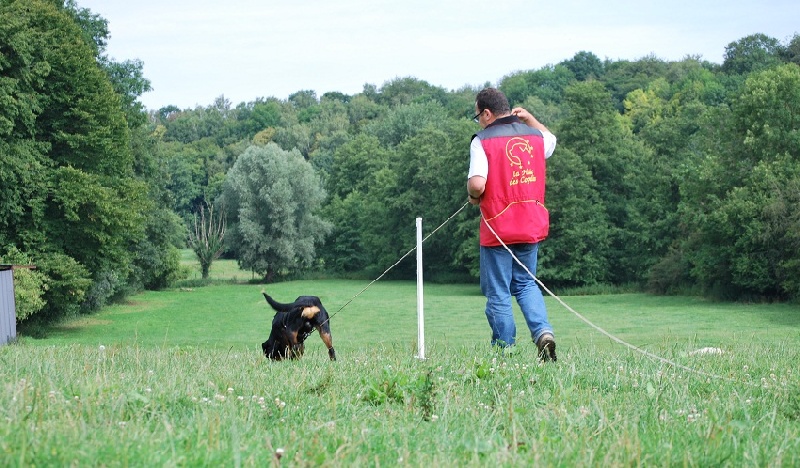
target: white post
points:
(420, 311)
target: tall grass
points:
(136, 405)
(177, 378)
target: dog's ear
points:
(309, 312)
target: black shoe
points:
(547, 347)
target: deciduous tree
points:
(207, 238)
(273, 197)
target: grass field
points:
(176, 378)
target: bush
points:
(162, 269)
(106, 285)
(670, 275)
(157, 261)
(29, 285)
(67, 284)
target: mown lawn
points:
(228, 314)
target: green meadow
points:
(176, 378)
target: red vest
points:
(513, 201)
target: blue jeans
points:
(501, 278)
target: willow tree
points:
(272, 198)
(207, 238)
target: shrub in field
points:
(157, 264)
(106, 283)
(68, 283)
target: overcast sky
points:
(197, 50)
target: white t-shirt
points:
(479, 163)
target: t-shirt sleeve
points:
(549, 144)
(478, 163)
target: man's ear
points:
(490, 116)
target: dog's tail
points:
(277, 305)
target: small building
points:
(8, 307)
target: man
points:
(507, 181)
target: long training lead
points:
(588, 322)
(548, 291)
(401, 259)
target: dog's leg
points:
(298, 350)
(294, 348)
(273, 350)
(328, 340)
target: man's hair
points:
(494, 100)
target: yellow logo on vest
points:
(516, 149)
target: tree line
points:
(671, 177)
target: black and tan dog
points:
(291, 326)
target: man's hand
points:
(528, 118)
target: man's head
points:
(490, 104)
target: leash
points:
(397, 262)
(549, 292)
(597, 328)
